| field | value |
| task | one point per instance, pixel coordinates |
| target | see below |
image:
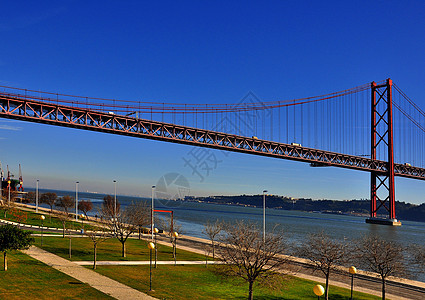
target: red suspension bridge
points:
(373, 127)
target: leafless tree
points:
(108, 205)
(30, 197)
(419, 257)
(325, 253)
(97, 237)
(49, 199)
(212, 230)
(85, 206)
(65, 204)
(380, 256)
(247, 256)
(169, 227)
(125, 222)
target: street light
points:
(152, 208)
(264, 216)
(36, 197)
(352, 271)
(82, 224)
(76, 201)
(175, 234)
(318, 290)
(155, 231)
(42, 217)
(8, 201)
(151, 246)
(115, 198)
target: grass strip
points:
(28, 278)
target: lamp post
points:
(8, 201)
(175, 234)
(115, 198)
(318, 290)
(76, 201)
(152, 208)
(352, 271)
(151, 246)
(155, 231)
(42, 217)
(264, 216)
(36, 196)
(82, 224)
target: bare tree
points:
(49, 199)
(325, 253)
(419, 257)
(382, 257)
(169, 227)
(85, 206)
(65, 203)
(108, 205)
(247, 256)
(125, 222)
(212, 230)
(97, 237)
(30, 197)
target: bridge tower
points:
(382, 192)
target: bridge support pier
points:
(382, 189)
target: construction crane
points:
(21, 181)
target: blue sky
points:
(198, 52)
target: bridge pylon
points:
(382, 192)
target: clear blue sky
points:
(199, 52)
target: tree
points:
(169, 227)
(212, 230)
(382, 257)
(247, 256)
(108, 206)
(125, 222)
(325, 254)
(65, 203)
(13, 238)
(85, 206)
(6, 204)
(419, 256)
(97, 237)
(30, 197)
(49, 199)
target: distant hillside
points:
(405, 211)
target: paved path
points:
(145, 262)
(97, 281)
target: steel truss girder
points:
(66, 116)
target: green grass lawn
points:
(198, 282)
(28, 278)
(32, 218)
(82, 249)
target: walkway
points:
(95, 280)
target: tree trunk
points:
(383, 288)
(250, 295)
(63, 231)
(5, 261)
(123, 249)
(213, 253)
(70, 246)
(94, 256)
(327, 287)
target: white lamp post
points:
(42, 228)
(152, 208)
(76, 201)
(36, 196)
(264, 216)
(115, 198)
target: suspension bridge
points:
(373, 127)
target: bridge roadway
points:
(19, 107)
